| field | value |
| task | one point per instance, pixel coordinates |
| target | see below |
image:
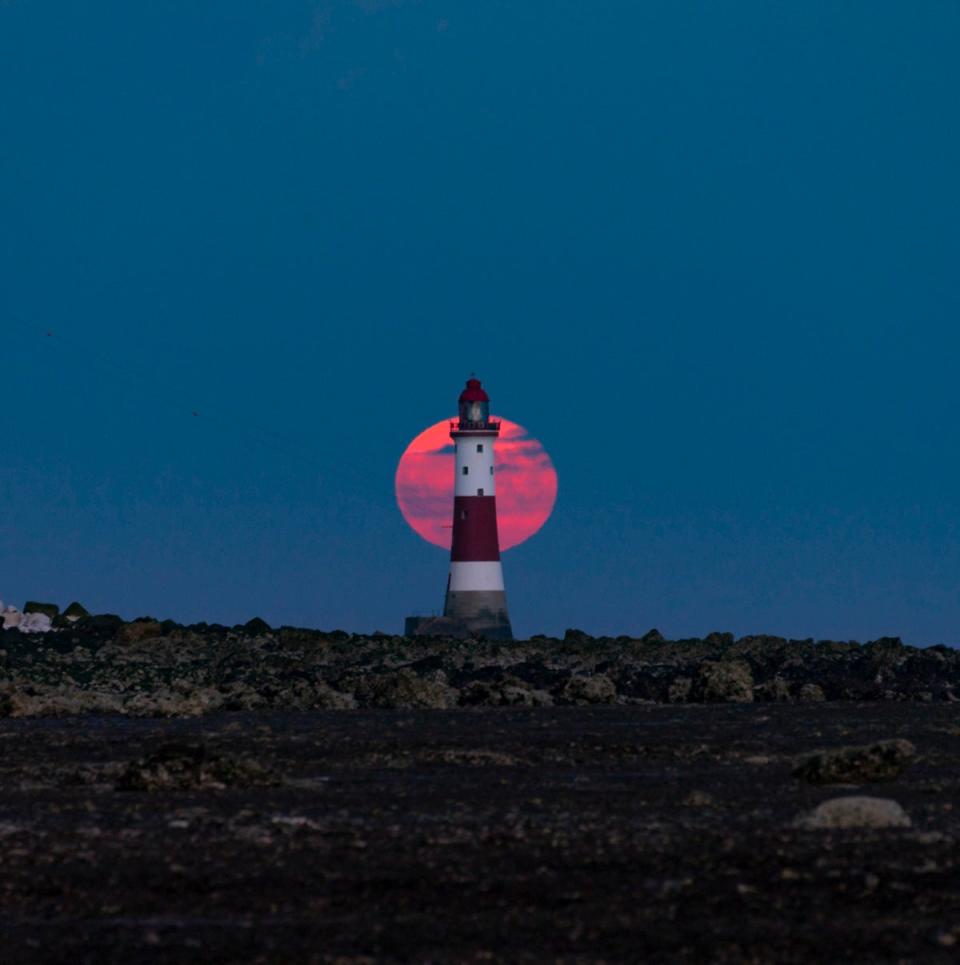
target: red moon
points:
(526, 484)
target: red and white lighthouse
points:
(476, 599)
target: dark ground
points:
(549, 834)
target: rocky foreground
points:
(146, 668)
(817, 832)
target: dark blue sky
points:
(706, 252)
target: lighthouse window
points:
(479, 492)
(466, 469)
(463, 514)
(479, 447)
(491, 470)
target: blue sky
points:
(706, 252)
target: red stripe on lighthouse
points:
(475, 530)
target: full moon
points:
(526, 484)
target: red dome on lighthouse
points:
(474, 392)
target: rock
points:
(75, 612)
(404, 690)
(723, 681)
(594, 689)
(652, 636)
(185, 767)
(37, 700)
(811, 693)
(698, 799)
(141, 629)
(50, 610)
(882, 761)
(777, 690)
(576, 636)
(101, 623)
(256, 627)
(479, 757)
(183, 702)
(506, 691)
(35, 622)
(11, 618)
(679, 690)
(70, 616)
(326, 698)
(718, 638)
(855, 812)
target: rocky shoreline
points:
(149, 668)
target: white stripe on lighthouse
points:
(479, 465)
(476, 576)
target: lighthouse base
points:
(480, 613)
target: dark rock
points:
(505, 691)
(882, 761)
(75, 611)
(594, 689)
(73, 614)
(777, 689)
(679, 690)
(723, 681)
(652, 636)
(141, 629)
(188, 767)
(811, 693)
(47, 609)
(404, 690)
(719, 639)
(327, 698)
(481, 757)
(101, 623)
(761, 643)
(256, 627)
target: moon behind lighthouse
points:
(526, 484)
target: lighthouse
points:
(476, 600)
(476, 603)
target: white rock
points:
(35, 623)
(11, 618)
(855, 812)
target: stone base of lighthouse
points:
(471, 613)
(476, 599)
(479, 613)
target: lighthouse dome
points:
(474, 407)
(474, 392)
